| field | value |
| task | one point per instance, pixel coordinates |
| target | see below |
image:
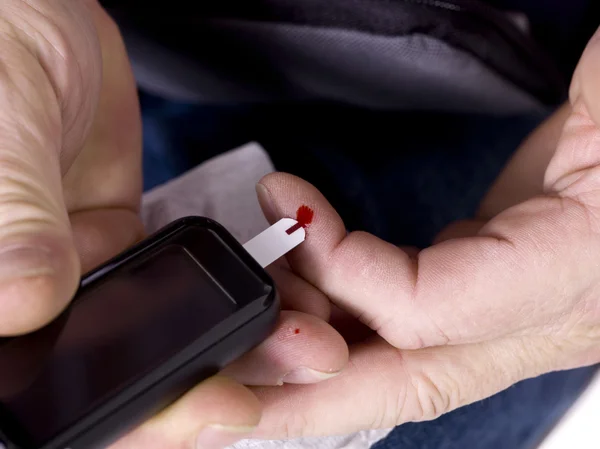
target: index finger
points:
(215, 414)
(508, 279)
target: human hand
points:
(70, 154)
(70, 188)
(512, 298)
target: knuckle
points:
(432, 396)
(298, 425)
(393, 405)
(393, 411)
(415, 396)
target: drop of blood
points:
(304, 216)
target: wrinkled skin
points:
(509, 295)
(70, 190)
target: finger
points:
(384, 387)
(369, 278)
(302, 349)
(39, 268)
(102, 234)
(504, 281)
(107, 171)
(297, 294)
(63, 59)
(215, 414)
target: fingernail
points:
(304, 375)
(216, 436)
(24, 261)
(266, 202)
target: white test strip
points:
(275, 242)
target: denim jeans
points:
(402, 176)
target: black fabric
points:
(562, 27)
(467, 25)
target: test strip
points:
(275, 242)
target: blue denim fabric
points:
(401, 176)
(518, 418)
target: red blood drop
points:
(304, 216)
(297, 331)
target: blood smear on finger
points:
(304, 217)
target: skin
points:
(70, 191)
(510, 295)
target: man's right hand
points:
(70, 190)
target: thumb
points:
(39, 267)
(398, 386)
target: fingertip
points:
(216, 411)
(287, 194)
(38, 277)
(266, 203)
(298, 341)
(277, 178)
(318, 345)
